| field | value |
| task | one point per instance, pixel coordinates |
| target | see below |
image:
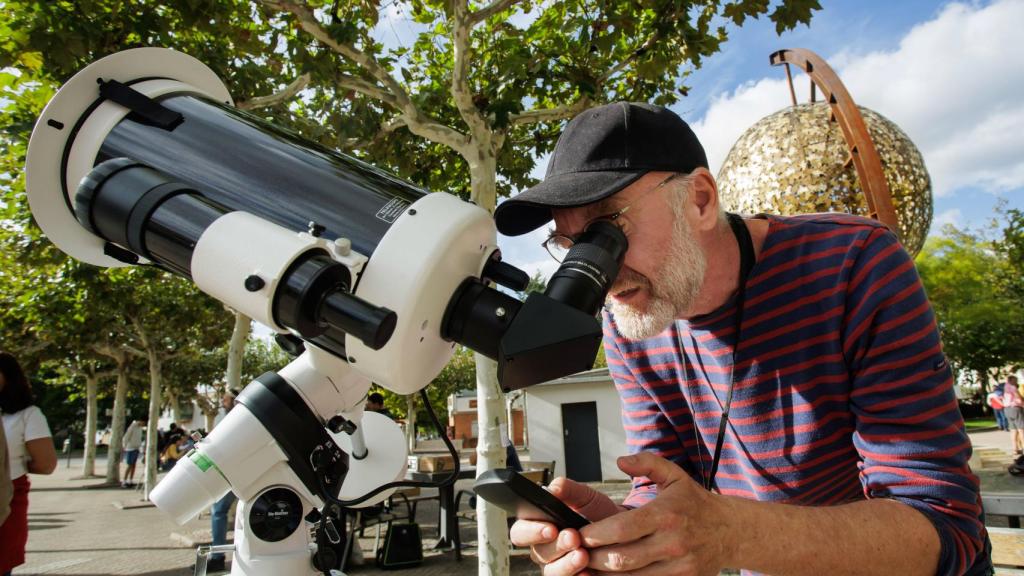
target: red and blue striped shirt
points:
(842, 391)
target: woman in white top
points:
(29, 449)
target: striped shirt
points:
(842, 389)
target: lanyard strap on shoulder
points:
(746, 246)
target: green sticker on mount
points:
(202, 461)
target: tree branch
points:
(551, 114)
(286, 93)
(368, 89)
(461, 91)
(392, 125)
(418, 122)
(489, 10)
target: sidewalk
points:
(74, 529)
(77, 530)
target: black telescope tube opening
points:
(134, 206)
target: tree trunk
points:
(117, 421)
(492, 525)
(526, 428)
(155, 385)
(510, 419)
(410, 422)
(175, 406)
(92, 382)
(236, 351)
(210, 417)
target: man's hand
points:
(561, 553)
(681, 532)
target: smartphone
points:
(524, 499)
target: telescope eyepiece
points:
(590, 267)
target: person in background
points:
(169, 437)
(176, 448)
(30, 450)
(375, 403)
(220, 509)
(995, 401)
(131, 443)
(1013, 408)
(6, 487)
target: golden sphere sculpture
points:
(796, 161)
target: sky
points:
(950, 74)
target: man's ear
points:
(703, 200)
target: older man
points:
(784, 390)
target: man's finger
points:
(567, 541)
(631, 557)
(619, 529)
(531, 533)
(590, 503)
(571, 563)
(661, 471)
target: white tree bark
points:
(236, 352)
(117, 421)
(510, 419)
(287, 93)
(492, 524)
(175, 406)
(92, 383)
(155, 388)
(410, 422)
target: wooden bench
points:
(1009, 504)
(1008, 549)
(1007, 543)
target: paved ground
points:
(77, 530)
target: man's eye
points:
(560, 242)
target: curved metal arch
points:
(858, 140)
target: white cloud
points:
(953, 85)
(731, 114)
(952, 216)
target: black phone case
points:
(523, 499)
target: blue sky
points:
(950, 74)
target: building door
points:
(579, 435)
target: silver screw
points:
(499, 312)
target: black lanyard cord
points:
(746, 246)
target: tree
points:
(980, 321)
(1010, 246)
(466, 108)
(169, 318)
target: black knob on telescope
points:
(506, 274)
(372, 324)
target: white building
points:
(576, 421)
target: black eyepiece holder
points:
(548, 335)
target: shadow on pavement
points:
(175, 572)
(70, 488)
(126, 549)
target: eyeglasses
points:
(558, 245)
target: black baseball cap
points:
(601, 151)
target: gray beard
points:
(671, 294)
